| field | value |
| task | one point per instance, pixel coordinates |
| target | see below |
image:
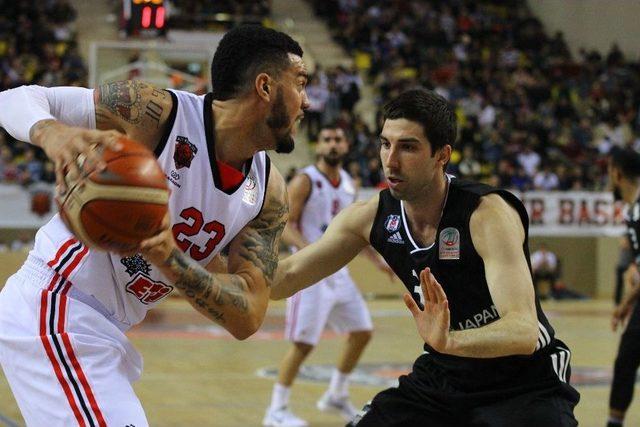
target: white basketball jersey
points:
(205, 219)
(324, 202)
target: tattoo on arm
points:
(39, 126)
(261, 240)
(205, 290)
(125, 100)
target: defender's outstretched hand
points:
(433, 321)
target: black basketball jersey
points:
(632, 220)
(457, 266)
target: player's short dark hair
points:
(246, 51)
(428, 109)
(331, 126)
(627, 160)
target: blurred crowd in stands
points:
(203, 14)
(531, 115)
(37, 46)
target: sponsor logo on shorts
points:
(146, 289)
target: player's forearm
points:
(286, 281)
(510, 335)
(224, 298)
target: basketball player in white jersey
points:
(316, 195)
(64, 313)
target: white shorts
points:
(67, 364)
(335, 301)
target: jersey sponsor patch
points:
(146, 289)
(184, 153)
(396, 238)
(250, 195)
(392, 223)
(449, 247)
(135, 264)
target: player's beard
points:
(277, 122)
(332, 159)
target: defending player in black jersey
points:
(624, 177)
(461, 249)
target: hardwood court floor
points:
(195, 375)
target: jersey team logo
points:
(449, 247)
(392, 223)
(141, 285)
(184, 153)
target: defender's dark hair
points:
(627, 160)
(243, 53)
(430, 110)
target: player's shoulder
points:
(362, 213)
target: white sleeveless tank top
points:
(205, 218)
(324, 202)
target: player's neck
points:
(235, 133)
(331, 172)
(426, 211)
(630, 192)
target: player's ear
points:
(263, 86)
(444, 154)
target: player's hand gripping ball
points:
(116, 208)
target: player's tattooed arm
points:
(259, 243)
(237, 300)
(209, 293)
(133, 107)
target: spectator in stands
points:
(546, 179)
(494, 61)
(318, 97)
(544, 264)
(469, 167)
(37, 46)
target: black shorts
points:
(392, 408)
(425, 397)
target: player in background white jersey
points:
(64, 313)
(316, 195)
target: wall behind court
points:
(592, 24)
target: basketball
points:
(118, 207)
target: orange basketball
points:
(118, 207)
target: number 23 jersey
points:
(206, 215)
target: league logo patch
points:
(250, 195)
(184, 153)
(449, 247)
(147, 290)
(392, 223)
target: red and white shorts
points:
(67, 362)
(334, 301)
